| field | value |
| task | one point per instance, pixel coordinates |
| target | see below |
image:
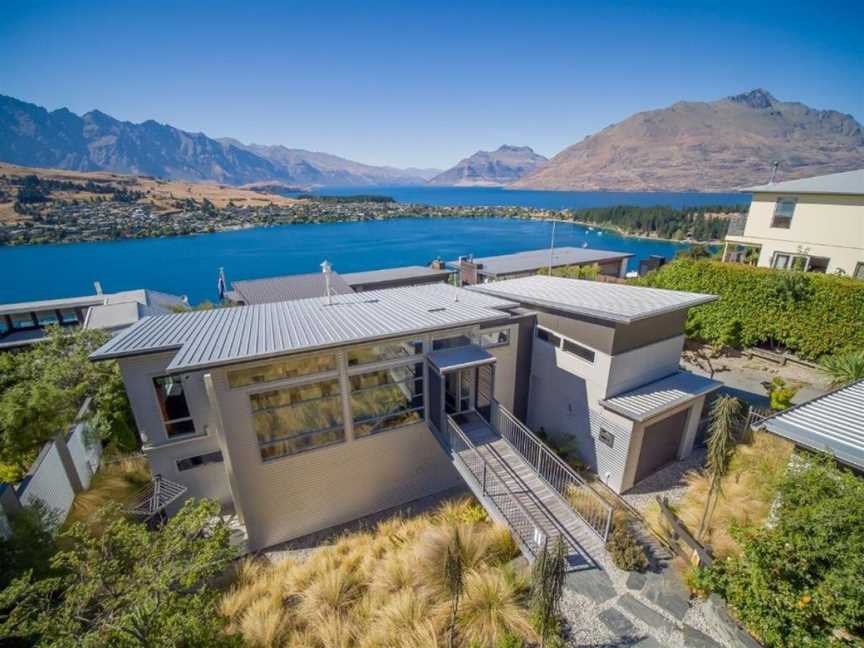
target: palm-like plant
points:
(725, 418)
(844, 369)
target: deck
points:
(513, 492)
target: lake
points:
(189, 264)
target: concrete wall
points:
(822, 225)
(48, 482)
(643, 365)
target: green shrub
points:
(810, 314)
(799, 581)
(780, 394)
(626, 552)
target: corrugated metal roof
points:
(288, 287)
(536, 259)
(647, 401)
(453, 359)
(405, 273)
(229, 335)
(848, 183)
(51, 304)
(608, 301)
(832, 423)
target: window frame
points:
(859, 271)
(492, 331)
(587, 350)
(608, 442)
(358, 370)
(284, 379)
(778, 219)
(202, 464)
(560, 346)
(166, 422)
(548, 332)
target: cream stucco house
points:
(813, 224)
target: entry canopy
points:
(456, 358)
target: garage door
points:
(660, 444)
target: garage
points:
(660, 443)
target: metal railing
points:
(737, 225)
(582, 498)
(493, 487)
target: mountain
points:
(33, 136)
(310, 168)
(499, 167)
(707, 146)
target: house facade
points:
(306, 414)
(814, 224)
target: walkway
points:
(511, 490)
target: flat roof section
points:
(848, 183)
(237, 334)
(52, 304)
(606, 301)
(832, 423)
(649, 400)
(535, 259)
(404, 273)
(288, 287)
(456, 358)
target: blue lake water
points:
(189, 264)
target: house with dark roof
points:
(308, 413)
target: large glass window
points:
(68, 316)
(46, 317)
(173, 406)
(294, 419)
(451, 342)
(384, 351)
(22, 321)
(783, 212)
(494, 338)
(283, 369)
(386, 399)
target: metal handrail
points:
(489, 469)
(552, 469)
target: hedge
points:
(809, 314)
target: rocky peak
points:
(757, 98)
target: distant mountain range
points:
(33, 136)
(707, 146)
(689, 146)
(502, 166)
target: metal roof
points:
(536, 259)
(647, 401)
(288, 287)
(832, 423)
(230, 335)
(52, 304)
(453, 359)
(405, 273)
(607, 301)
(848, 183)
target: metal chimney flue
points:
(327, 269)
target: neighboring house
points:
(305, 414)
(832, 423)
(522, 264)
(302, 286)
(24, 323)
(814, 224)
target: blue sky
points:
(421, 84)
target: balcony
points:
(737, 225)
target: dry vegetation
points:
(746, 497)
(159, 193)
(117, 482)
(384, 588)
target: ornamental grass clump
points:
(435, 580)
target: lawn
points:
(384, 587)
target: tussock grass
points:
(113, 482)
(384, 588)
(747, 493)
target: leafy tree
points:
(127, 586)
(725, 418)
(32, 191)
(547, 583)
(798, 582)
(780, 394)
(843, 369)
(42, 389)
(30, 543)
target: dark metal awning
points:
(447, 360)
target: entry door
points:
(660, 444)
(459, 391)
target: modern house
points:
(522, 264)
(814, 224)
(831, 424)
(24, 323)
(304, 414)
(301, 286)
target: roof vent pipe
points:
(327, 269)
(98, 286)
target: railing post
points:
(483, 486)
(608, 524)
